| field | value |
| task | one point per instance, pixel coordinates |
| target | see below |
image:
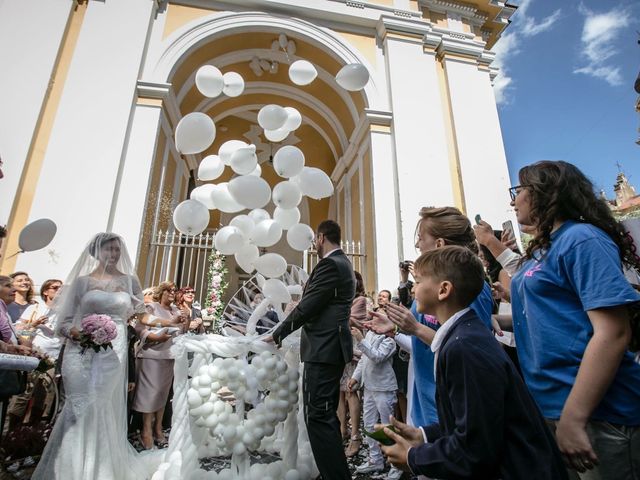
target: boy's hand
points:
(351, 383)
(403, 318)
(412, 434)
(380, 324)
(357, 334)
(397, 454)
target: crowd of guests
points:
(561, 399)
(28, 327)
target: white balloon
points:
(260, 279)
(286, 195)
(300, 237)
(259, 214)
(302, 72)
(287, 218)
(271, 265)
(288, 161)
(244, 160)
(294, 119)
(38, 234)
(223, 200)
(244, 222)
(266, 233)
(246, 257)
(277, 291)
(211, 167)
(277, 135)
(257, 172)
(353, 77)
(191, 217)
(282, 40)
(295, 289)
(202, 194)
(228, 148)
(272, 117)
(229, 240)
(250, 191)
(233, 84)
(195, 132)
(314, 183)
(209, 81)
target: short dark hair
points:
(359, 284)
(3, 231)
(455, 264)
(388, 292)
(331, 230)
(47, 284)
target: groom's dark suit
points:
(325, 347)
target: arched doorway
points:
(333, 135)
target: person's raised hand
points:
(397, 453)
(380, 324)
(484, 233)
(357, 334)
(403, 318)
(574, 444)
(508, 239)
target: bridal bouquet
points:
(97, 332)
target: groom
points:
(325, 347)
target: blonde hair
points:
(449, 224)
(157, 291)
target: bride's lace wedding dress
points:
(89, 439)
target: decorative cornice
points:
(378, 117)
(164, 92)
(402, 26)
(459, 45)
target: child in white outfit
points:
(375, 374)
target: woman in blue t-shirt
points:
(571, 321)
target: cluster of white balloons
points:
(211, 82)
(278, 122)
(234, 433)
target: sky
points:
(565, 87)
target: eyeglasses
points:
(514, 191)
(171, 290)
(189, 291)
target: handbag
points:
(12, 382)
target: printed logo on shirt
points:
(531, 271)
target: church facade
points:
(92, 91)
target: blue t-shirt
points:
(550, 296)
(423, 406)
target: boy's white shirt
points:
(376, 349)
(438, 338)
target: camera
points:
(405, 265)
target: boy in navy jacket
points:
(489, 426)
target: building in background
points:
(92, 92)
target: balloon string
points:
(11, 256)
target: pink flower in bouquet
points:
(100, 329)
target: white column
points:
(482, 159)
(135, 178)
(87, 142)
(386, 241)
(419, 133)
(31, 33)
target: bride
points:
(89, 440)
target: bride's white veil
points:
(89, 263)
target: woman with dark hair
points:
(184, 301)
(571, 320)
(25, 294)
(350, 400)
(89, 439)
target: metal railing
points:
(352, 249)
(183, 259)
